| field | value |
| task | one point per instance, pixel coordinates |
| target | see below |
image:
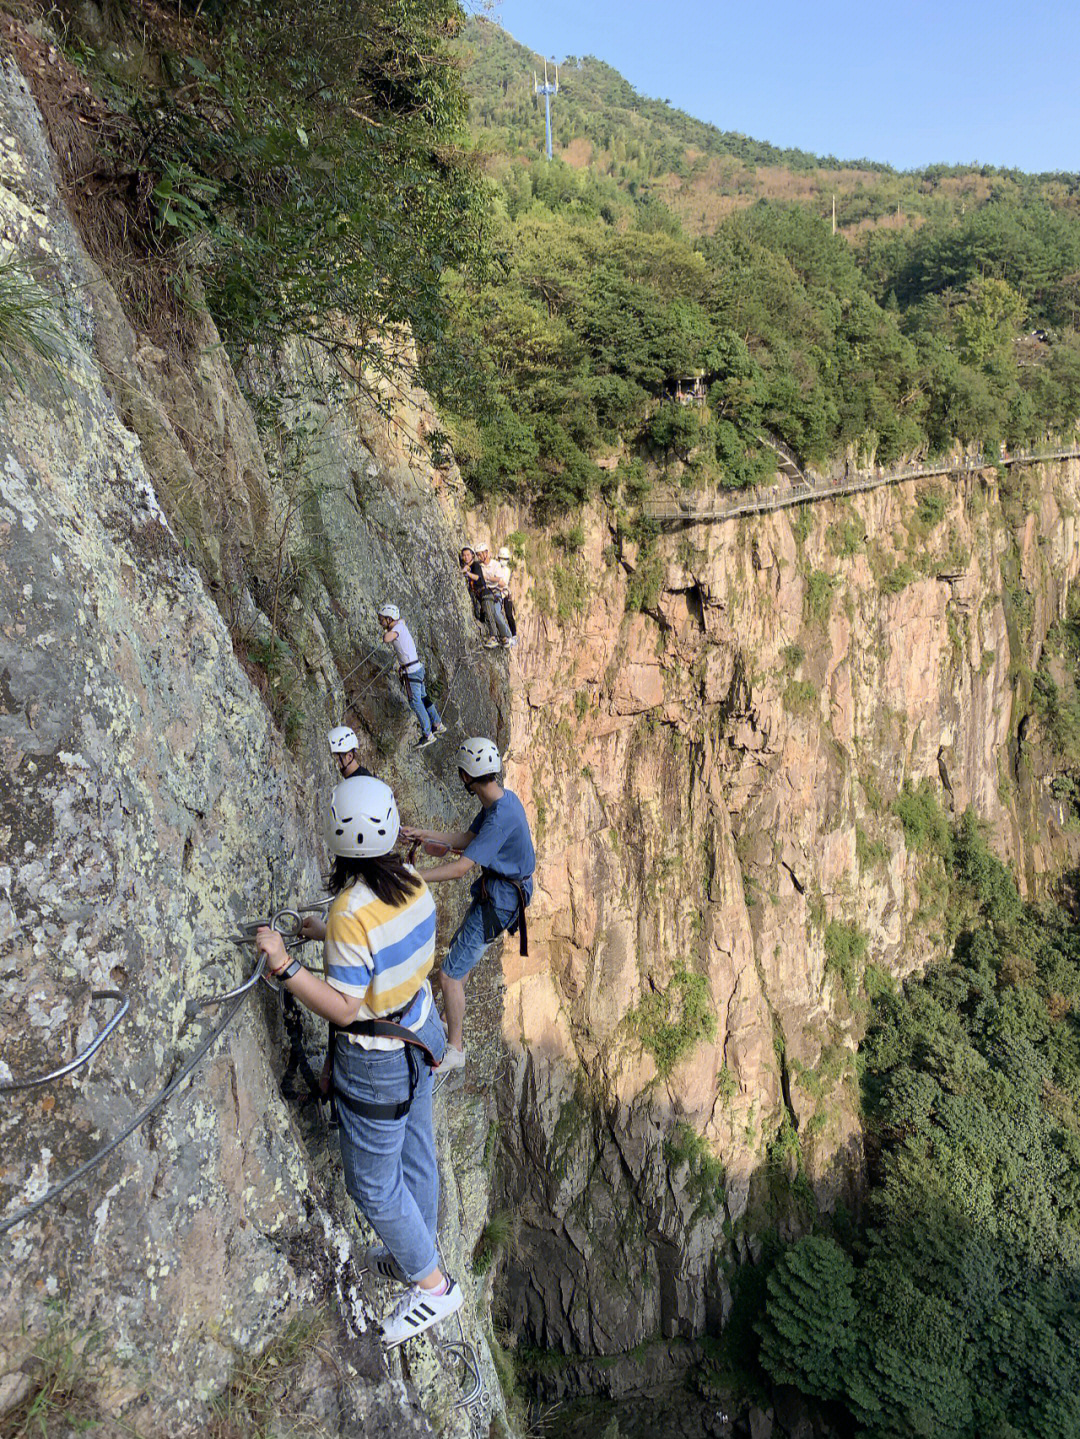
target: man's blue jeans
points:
(391, 1169)
(470, 941)
(496, 620)
(417, 694)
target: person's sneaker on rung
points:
(491, 643)
(417, 1311)
(439, 729)
(425, 740)
(507, 642)
(453, 1058)
(381, 1262)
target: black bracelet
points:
(287, 973)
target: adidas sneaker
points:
(419, 1310)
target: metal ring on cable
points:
(90, 1050)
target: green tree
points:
(808, 1330)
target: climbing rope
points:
(358, 664)
(80, 1059)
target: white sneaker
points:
(439, 729)
(382, 1263)
(419, 1310)
(452, 1059)
(491, 644)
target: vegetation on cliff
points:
(953, 1309)
(599, 300)
(301, 166)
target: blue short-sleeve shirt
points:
(503, 843)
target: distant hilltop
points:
(702, 173)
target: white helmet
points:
(342, 740)
(362, 821)
(479, 756)
(390, 612)
(482, 547)
(504, 554)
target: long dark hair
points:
(386, 876)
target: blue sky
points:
(905, 83)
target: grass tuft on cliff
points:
(30, 330)
(671, 1022)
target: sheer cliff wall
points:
(187, 600)
(712, 726)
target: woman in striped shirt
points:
(386, 1037)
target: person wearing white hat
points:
(411, 670)
(491, 598)
(345, 748)
(385, 1040)
(499, 844)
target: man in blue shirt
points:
(499, 842)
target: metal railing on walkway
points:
(807, 490)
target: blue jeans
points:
(391, 1169)
(422, 707)
(471, 939)
(496, 620)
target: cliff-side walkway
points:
(799, 489)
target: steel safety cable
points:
(162, 1097)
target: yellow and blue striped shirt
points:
(382, 954)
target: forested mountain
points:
(954, 323)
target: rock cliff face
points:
(711, 727)
(181, 594)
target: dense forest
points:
(954, 1309)
(958, 329)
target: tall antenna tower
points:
(547, 90)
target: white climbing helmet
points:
(504, 554)
(479, 756)
(342, 740)
(482, 548)
(390, 612)
(362, 821)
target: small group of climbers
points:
(488, 582)
(386, 1037)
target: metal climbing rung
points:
(90, 1050)
(466, 1353)
(193, 1006)
(314, 907)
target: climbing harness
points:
(80, 1059)
(387, 1028)
(492, 925)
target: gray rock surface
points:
(149, 801)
